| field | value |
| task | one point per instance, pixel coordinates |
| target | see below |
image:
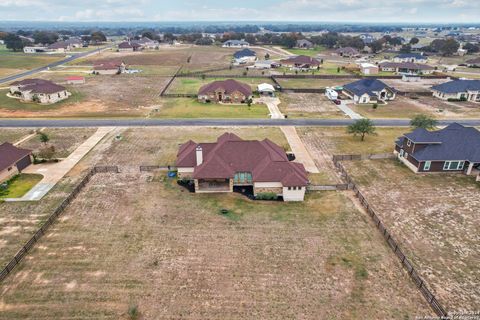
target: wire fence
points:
(393, 244)
(52, 219)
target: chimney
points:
(199, 154)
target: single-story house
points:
(38, 90)
(226, 91)
(35, 49)
(410, 57)
(266, 89)
(473, 62)
(347, 52)
(109, 67)
(301, 63)
(74, 42)
(145, 43)
(453, 149)
(13, 160)
(244, 56)
(231, 163)
(406, 67)
(75, 80)
(125, 46)
(59, 46)
(368, 91)
(411, 78)
(468, 90)
(368, 68)
(304, 44)
(266, 64)
(235, 44)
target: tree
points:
(423, 121)
(361, 127)
(43, 137)
(98, 36)
(450, 47)
(376, 46)
(45, 37)
(47, 152)
(414, 41)
(406, 48)
(267, 56)
(471, 48)
(149, 35)
(14, 42)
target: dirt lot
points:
(437, 224)
(312, 83)
(65, 140)
(308, 105)
(127, 241)
(423, 85)
(192, 85)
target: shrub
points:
(375, 106)
(133, 312)
(266, 196)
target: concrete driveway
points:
(272, 104)
(298, 148)
(53, 172)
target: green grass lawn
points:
(327, 68)
(306, 52)
(20, 185)
(191, 108)
(15, 104)
(26, 61)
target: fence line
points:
(393, 244)
(371, 156)
(149, 168)
(329, 187)
(170, 82)
(52, 218)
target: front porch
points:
(213, 185)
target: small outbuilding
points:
(266, 89)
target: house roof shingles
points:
(455, 142)
(229, 86)
(38, 86)
(9, 155)
(230, 154)
(411, 55)
(456, 86)
(244, 53)
(406, 65)
(366, 86)
(347, 50)
(301, 60)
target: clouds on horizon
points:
(417, 11)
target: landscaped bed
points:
(19, 185)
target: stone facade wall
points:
(276, 190)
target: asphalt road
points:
(34, 123)
(51, 65)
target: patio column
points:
(470, 167)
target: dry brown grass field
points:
(308, 105)
(140, 239)
(435, 218)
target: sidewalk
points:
(53, 172)
(298, 148)
(349, 112)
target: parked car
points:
(337, 102)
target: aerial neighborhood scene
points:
(284, 159)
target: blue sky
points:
(417, 11)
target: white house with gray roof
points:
(467, 90)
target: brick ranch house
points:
(453, 149)
(38, 90)
(226, 91)
(368, 91)
(232, 162)
(13, 160)
(301, 63)
(407, 67)
(109, 67)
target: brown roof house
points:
(226, 91)
(301, 63)
(453, 149)
(407, 68)
(304, 44)
(232, 162)
(109, 67)
(347, 52)
(38, 90)
(13, 160)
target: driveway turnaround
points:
(53, 172)
(298, 148)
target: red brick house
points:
(232, 162)
(453, 149)
(227, 91)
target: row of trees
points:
(362, 127)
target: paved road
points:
(49, 123)
(51, 65)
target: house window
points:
(409, 143)
(427, 165)
(453, 165)
(9, 169)
(243, 177)
(289, 188)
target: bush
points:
(375, 106)
(266, 196)
(133, 312)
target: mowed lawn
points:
(13, 104)
(14, 62)
(174, 255)
(306, 52)
(19, 185)
(191, 108)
